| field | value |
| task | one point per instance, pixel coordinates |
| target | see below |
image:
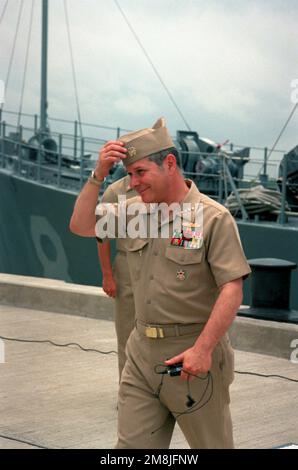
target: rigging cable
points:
(3, 11)
(26, 62)
(13, 47)
(152, 65)
(73, 67)
(279, 136)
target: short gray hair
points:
(159, 157)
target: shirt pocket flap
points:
(137, 244)
(182, 256)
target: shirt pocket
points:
(183, 257)
(182, 269)
(135, 256)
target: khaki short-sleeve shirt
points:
(121, 187)
(172, 284)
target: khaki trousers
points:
(124, 307)
(146, 421)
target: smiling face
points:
(150, 180)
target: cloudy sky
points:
(228, 63)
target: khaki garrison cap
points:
(143, 143)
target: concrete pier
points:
(64, 397)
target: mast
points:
(44, 69)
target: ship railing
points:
(46, 174)
(73, 150)
(72, 131)
(222, 181)
(83, 151)
(15, 150)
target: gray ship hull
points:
(34, 236)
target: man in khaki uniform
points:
(116, 279)
(187, 290)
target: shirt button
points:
(148, 301)
(155, 253)
(151, 277)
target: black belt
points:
(154, 331)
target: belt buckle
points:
(154, 332)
